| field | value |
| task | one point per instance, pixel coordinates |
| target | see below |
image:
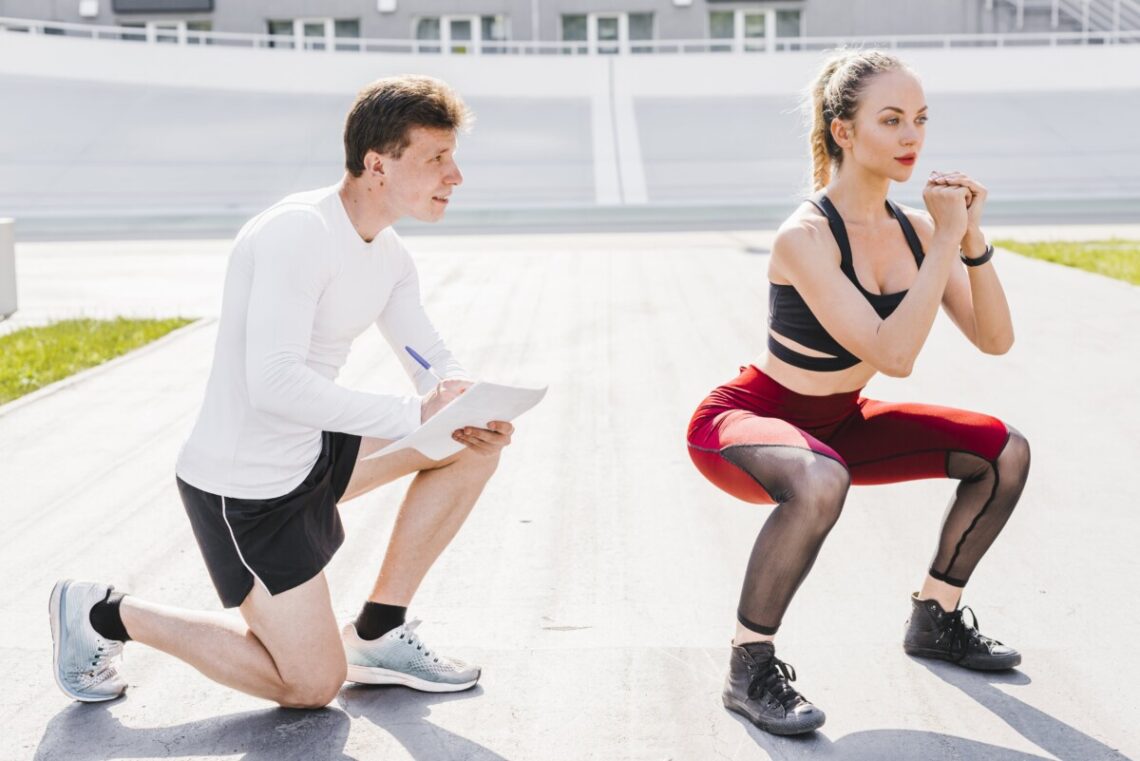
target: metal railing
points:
(359, 45)
(1089, 15)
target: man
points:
(278, 444)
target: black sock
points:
(106, 620)
(377, 619)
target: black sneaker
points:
(757, 687)
(931, 632)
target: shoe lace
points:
(407, 634)
(103, 661)
(772, 676)
(963, 637)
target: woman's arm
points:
(974, 298)
(803, 256)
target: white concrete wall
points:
(105, 128)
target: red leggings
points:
(878, 442)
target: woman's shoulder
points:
(804, 237)
(805, 227)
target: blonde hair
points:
(835, 95)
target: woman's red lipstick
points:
(908, 159)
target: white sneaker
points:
(401, 657)
(85, 664)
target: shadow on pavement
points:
(1056, 738)
(403, 713)
(89, 732)
(1046, 732)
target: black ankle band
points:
(106, 619)
(377, 619)
(948, 579)
(755, 627)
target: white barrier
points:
(7, 268)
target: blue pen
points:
(423, 362)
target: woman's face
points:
(889, 127)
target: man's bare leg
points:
(437, 503)
(288, 650)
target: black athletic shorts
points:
(280, 542)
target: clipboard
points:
(478, 405)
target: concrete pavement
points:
(597, 580)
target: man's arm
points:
(288, 278)
(405, 323)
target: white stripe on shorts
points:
(241, 557)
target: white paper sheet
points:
(477, 406)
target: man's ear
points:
(374, 164)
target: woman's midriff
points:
(814, 383)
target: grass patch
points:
(31, 358)
(1116, 257)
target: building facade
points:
(599, 26)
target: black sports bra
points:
(790, 317)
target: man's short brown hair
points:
(387, 110)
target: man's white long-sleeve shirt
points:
(301, 285)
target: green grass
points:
(1116, 257)
(31, 358)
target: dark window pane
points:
(721, 25)
(641, 26)
(494, 28)
(574, 28)
(788, 23)
(162, 6)
(346, 27)
(427, 28)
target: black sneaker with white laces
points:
(758, 688)
(932, 632)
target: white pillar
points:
(7, 267)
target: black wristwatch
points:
(989, 254)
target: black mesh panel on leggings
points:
(982, 504)
(809, 490)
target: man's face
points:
(421, 180)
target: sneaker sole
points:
(372, 675)
(55, 614)
(773, 728)
(1008, 663)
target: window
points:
(347, 29)
(789, 23)
(427, 29)
(313, 33)
(722, 26)
(755, 26)
(755, 30)
(641, 28)
(172, 31)
(494, 29)
(461, 35)
(194, 30)
(607, 33)
(162, 6)
(280, 33)
(575, 29)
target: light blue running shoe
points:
(401, 657)
(85, 664)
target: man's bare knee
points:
(471, 461)
(313, 691)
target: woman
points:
(856, 282)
